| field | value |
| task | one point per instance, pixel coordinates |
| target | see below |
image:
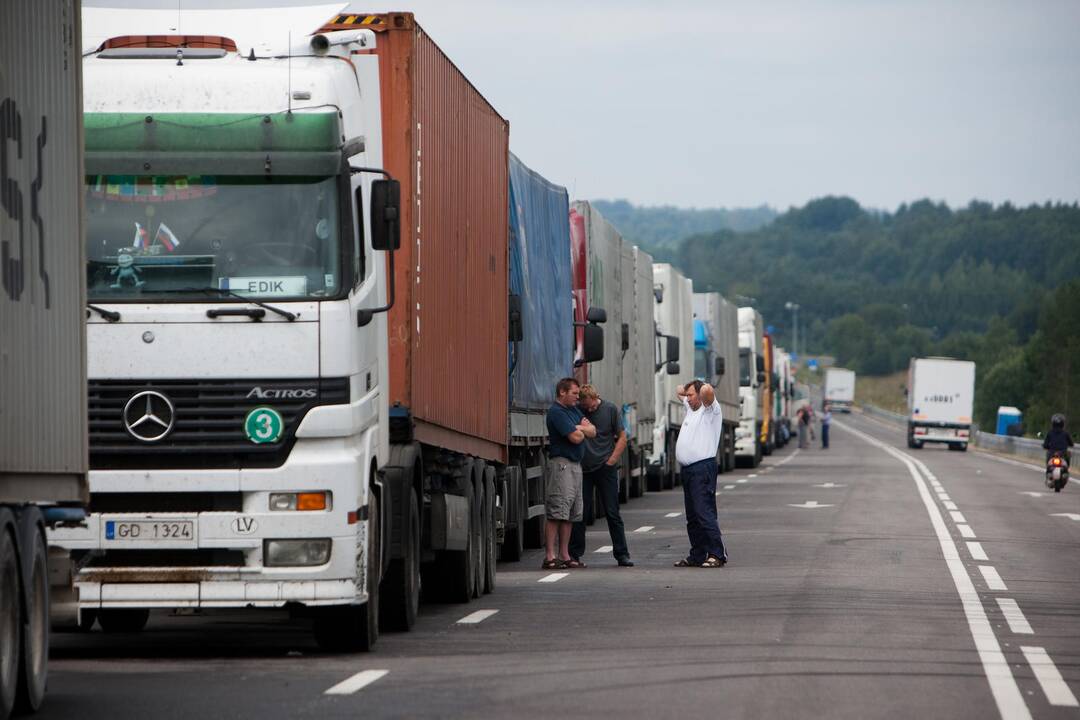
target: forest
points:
(999, 285)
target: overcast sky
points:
(730, 104)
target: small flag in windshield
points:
(140, 237)
(166, 237)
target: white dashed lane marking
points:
(729, 487)
(1013, 615)
(958, 517)
(993, 580)
(1046, 672)
(477, 617)
(675, 514)
(553, 577)
(644, 529)
(603, 549)
(976, 550)
(965, 531)
(357, 682)
(949, 505)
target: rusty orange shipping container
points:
(448, 328)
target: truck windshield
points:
(153, 238)
(744, 368)
(701, 364)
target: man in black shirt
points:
(600, 467)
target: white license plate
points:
(150, 531)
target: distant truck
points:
(43, 455)
(674, 332)
(840, 389)
(941, 393)
(716, 361)
(749, 446)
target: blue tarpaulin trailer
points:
(540, 276)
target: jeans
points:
(702, 526)
(606, 480)
(824, 435)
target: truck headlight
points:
(296, 553)
(303, 501)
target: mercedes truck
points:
(749, 445)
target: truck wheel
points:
(459, 571)
(87, 618)
(489, 527)
(347, 628)
(35, 664)
(399, 595)
(478, 530)
(10, 625)
(123, 620)
(513, 546)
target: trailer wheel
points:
(354, 627)
(459, 571)
(123, 620)
(513, 546)
(10, 625)
(477, 529)
(489, 527)
(35, 646)
(400, 591)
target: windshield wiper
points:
(110, 315)
(222, 291)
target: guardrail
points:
(1022, 447)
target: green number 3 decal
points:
(263, 425)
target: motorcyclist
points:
(1058, 439)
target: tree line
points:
(993, 284)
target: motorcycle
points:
(1057, 471)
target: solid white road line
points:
(1006, 692)
(957, 517)
(644, 529)
(1046, 672)
(993, 580)
(950, 505)
(553, 577)
(357, 682)
(477, 617)
(673, 515)
(965, 531)
(603, 549)
(1015, 617)
(976, 550)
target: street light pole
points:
(794, 308)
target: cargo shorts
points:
(563, 500)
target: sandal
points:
(573, 564)
(714, 562)
(555, 564)
(686, 563)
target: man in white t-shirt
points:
(695, 450)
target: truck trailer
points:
(941, 395)
(300, 383)
(716, 361)
(839, 389)
(43, 456)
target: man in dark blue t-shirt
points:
(567, 430)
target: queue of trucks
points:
(292, 346)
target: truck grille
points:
(208, 430)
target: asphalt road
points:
(861, 584)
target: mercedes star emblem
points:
(149, 416)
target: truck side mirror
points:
(385, 214)
(625, 337)
(516, 328)
(720, 366)
(596, 315)
(673, 368)
(672, 348)
(593, 350)
(760, 364)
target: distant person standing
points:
(826, 421)
(695, 450)
(567, 430)
(802, 418)
(600, 468)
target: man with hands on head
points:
(695, 450)
(567, 431)
(600, 468)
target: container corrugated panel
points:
(604, 248)
(628, 357)
(42, 271)
(644, 347)
(579, 269)
(448, 327)
(540, 275)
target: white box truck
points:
(43, 451)
(941, 394)
(840, 389)
(749, 446)
(674, 337)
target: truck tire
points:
(477, 529)
(958, 447)
(10, 620)
(654, 477)
(123, 620)
(459, 566)
(489, 527)
(399, 594)
(347, 628)
(513, 546)
(756, 460)
(35, 646)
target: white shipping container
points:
(674, 316)
(43, 415)
(721, 318)
(840, 386)
(941, 391)
(644, 347)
